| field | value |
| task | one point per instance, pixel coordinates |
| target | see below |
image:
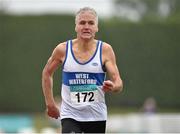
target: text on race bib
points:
(84, 94)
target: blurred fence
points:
(11, 123)
(147, 123)
(119, 123)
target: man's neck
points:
(85, 44)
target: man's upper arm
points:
(56, 58)
(110, 63)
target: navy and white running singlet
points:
(82, 96)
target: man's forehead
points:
(87, 14)
(86, 19)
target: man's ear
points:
(75, 28)
(97, 29)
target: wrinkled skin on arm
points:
(53, 62)
(114, 83)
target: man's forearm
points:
(118, 86)
(47, 85)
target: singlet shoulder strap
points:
(100, 49)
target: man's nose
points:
(86, 25)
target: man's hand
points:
(53, 111)
(108, 86)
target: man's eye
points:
(91, 22)
(82, 23)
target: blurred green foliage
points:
(147, 56)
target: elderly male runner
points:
(85, 61)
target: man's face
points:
(86, 25)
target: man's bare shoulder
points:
(60, 51)
(61, 46)
(107, 52)
(106, 47)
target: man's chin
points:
(87, 37)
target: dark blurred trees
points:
(147, 56)
(156, 10)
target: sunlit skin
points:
(86, 26)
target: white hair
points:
(84, 9)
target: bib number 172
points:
(84, 97)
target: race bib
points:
(81, 94)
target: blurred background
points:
(145, 35)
